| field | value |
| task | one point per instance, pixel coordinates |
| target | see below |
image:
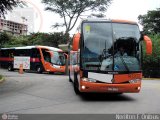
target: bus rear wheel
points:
(39, 69)
(69, 77)
(51, 73)
(10, 68)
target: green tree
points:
(54, 39)
(150, 21)
(4, 38)
(48, 39)
(7, 5)
(70, 10)
(37, 38)
(17, 41)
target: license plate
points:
(112, 89)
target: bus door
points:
(73, 63)
(46, 59)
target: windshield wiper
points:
(126, 38)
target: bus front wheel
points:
(76, 85)
(69, 77)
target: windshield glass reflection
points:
(57, 58)
(111, 47)
(126, 47)
(97, 43)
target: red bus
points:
(106, 56)
(41, 58)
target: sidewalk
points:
(150, 78)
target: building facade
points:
(25, 16)
(12, 27)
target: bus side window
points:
(11, 55)
(1, 53)
(19, 52)
(36, 53)
(74, 58)
(46, 55)
(4, 53)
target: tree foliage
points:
(47, 39)
(16, 41)
(4, 38)
(70, 10)
(7, 5)
(150, 21)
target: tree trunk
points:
(67, 60)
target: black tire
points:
(116, 94)
(10, 68)
(69, 77)
(76, 85)
(119, 93)
(51, 73)
(39, 69)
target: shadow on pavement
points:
(46, 73)
(105, 97)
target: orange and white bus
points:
(96, 64)
(40, 58)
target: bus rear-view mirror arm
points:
(66, 55)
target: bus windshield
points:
(58, 58)
(110, 47)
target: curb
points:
(2, 80)
(150, 78)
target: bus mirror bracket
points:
(66, 55)
(76, 39)
(148, 43)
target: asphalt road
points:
(46, 93)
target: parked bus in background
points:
(106, 56)
(37, 58)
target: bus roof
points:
(123, 21)
(37, 46)
(109, 20)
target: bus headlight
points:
(88, 80)
(135, 81)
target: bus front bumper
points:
(110, 87)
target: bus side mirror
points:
(148, 42)
(76, 39)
